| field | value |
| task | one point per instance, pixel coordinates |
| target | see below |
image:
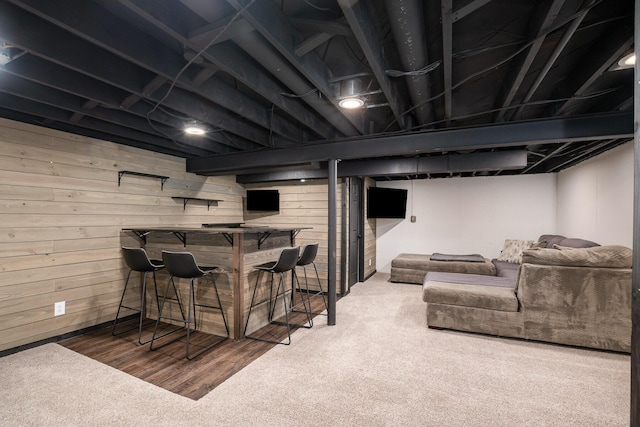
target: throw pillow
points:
(512, 250)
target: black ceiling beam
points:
(520, 68)
(567, 34)
(468, 9)
(548, 131)
(46, 40)
(150, 142)
(264, 54)
(93, 24)
(78, 106)
(448, 163)
(598, 60)
(361, 19)
(272, 24)
(71, 84)
(233, 63)
(64, 127)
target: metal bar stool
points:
(183, 265)
(307, 258)
(137, 260)
(286, 262)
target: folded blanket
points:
(459, 258)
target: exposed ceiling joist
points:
(550, 131)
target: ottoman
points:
(411, 268)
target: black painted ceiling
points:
(265, 78)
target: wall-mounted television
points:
(263, 200)
(386, 202)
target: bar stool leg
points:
(193, 304)
(253, 298)
(160, 316)
(141, 310)
(298, 288)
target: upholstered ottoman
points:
(411, 268)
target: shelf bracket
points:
(142, 235)
(210, 202)
(229, 238)
(162, 179)
(182, 236)
(262, 237)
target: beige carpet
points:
(379, 366)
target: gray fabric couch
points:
(574, 296)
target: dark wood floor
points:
(167, 366)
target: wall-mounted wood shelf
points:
(209, 202)
(162, 179)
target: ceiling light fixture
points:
(195, 128)
(626, 62)
(350, 97)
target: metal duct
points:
(407, 23)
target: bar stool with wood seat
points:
(137, 260)
(286, 262)
(183, 265)
(308, 257)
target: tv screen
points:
(386, 202)
(263, 200)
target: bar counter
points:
(235, 249)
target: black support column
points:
(332, 222)
(635, 302)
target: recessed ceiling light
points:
(626, 62)
(350, 94)
(629, 60)
(351, 103)
(194, 128)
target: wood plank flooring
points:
(167, 366)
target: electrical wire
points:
(293, 95)
(422, 71)
(526, 104)
(324, 9)
(184, 68)
(497, 64)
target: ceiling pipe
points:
(407, 23)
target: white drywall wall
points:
(595, 198)
(468, 215)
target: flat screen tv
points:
(263, 200)
(386, 202)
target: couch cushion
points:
(576, 243)
(512, 250)
(479, 296)
(610, 256)
(470, 279)
(506, 269)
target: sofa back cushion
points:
(610, 256)
(555, 239)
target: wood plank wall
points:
(370, 234)
(61, 212)
(304, 204)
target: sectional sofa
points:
(578, 296)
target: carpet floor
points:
(378, 366)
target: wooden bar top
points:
(215, 229)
